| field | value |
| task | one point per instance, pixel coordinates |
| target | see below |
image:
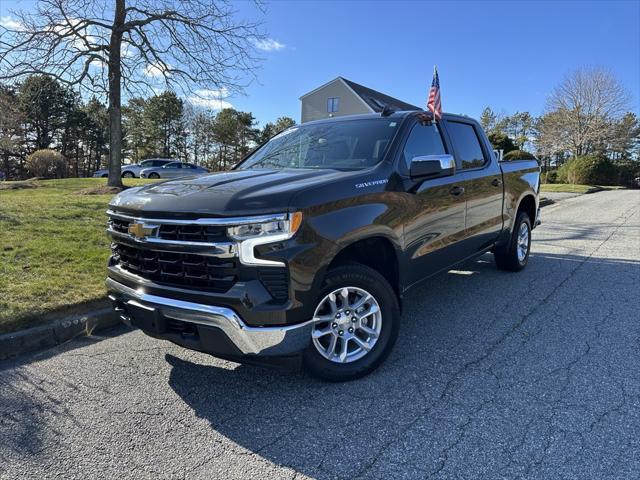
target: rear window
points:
(466, 145)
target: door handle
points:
(496, 182)
(456, 191)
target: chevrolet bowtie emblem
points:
(141, 230)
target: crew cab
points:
(303, 252)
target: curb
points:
(56, 332)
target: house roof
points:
(375, 100)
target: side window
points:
(423, 140)
(466, 145)
(146, 164)
(332, 104)
(158, 163)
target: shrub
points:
(46, 164)
(550, 177)
(519, 155)
(562, 175)
(588, 170)
(627, 174)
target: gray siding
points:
(314, 105)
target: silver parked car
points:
(173, 170)
(133, 170)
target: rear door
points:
(479, 174)
(435, 209)
(173, 170)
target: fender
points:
(521, 178)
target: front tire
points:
(357, 319)
(514, 256)
(154, 175)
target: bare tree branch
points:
(581, 112)
(132, 45)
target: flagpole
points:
(435, 72)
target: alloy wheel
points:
(347, 324)
(523, 242)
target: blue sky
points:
(508, 55)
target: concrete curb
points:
(56, 332)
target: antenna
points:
(386, 111)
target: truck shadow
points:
(307, 425)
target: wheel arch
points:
(378, 252)
(528, 205)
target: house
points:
(343, 97)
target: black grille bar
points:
(178, 269)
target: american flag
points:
(434, 103)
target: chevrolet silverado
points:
(304, 251)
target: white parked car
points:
(133, 170)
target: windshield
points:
(346, 144)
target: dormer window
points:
(332, 104)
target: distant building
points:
(343, 97)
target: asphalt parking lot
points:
(495, 375)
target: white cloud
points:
(97, 64)
(156, 70)
(269, 45)
(126, 50)
(215, 93)
(10, 23)
(213, 99)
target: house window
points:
(332, 104)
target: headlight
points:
(250, 235)
(286, 226)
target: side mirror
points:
(432, 166)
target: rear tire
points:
(514, 256)
(105, 176)
(377, 331)
(128, 175)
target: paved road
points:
(495, 375)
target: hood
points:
(234, 193)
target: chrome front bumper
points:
(264, 341)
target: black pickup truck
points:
(304, 250)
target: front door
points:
(435, 211)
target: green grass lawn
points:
(53, 249)
(565, 187)
(573, 188)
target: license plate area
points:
(146, 318)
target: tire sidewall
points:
(522, 218)
(154, 175)
(371, 281)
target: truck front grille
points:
(192, 254)
(193, 233)
(180, 233)
(177, 269)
